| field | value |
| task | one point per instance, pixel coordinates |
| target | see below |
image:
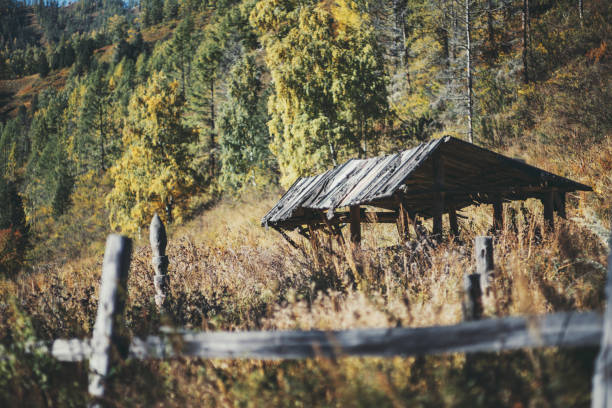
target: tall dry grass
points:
(228, 273)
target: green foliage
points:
(29, 376)
(94, 141)
(181, 51)
(153, 174)
(171, 8)
(13, 228)
(243, 135)
(118, 26)
(153, 12)
(49, 170)
(329, 83)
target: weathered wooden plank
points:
(555, 330)
(602, 378)
(71, 350)
(567, 329)
(485, 266)
(452, 221)
(355, 215)
(498, 213)
(403, 222)
(548, 203)
(472, 297)
(438, 198)
(107, 343)
(560, 204)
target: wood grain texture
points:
(602, 378)
(555, 330)
(106, 342)
(159, 240)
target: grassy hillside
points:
(228, 273)
(205, 111)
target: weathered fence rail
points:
(554, 330)
(568, 329)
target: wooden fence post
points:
(159, 240)
(108, 343)
(477, 284)
(483, 252)
(472, 300)
(602, 378)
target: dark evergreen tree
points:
(246, 159)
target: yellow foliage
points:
(153, 174)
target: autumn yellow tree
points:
(153, 174)
(329, 83)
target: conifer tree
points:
(329, 83)
(243, 133)
(171, 8)
(153, 174)
(13, 228)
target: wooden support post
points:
(602, 378)
(472, 300)
(159, 240)
(108, 344)
(498, 214)
(438, 204)
(560, 204)
(355, 216)
(483, 252)
(403, 223)
(452, 221)
(548, 202)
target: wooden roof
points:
(471, 175)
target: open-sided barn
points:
(429, 180)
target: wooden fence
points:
(109, 343)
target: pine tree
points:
(171, 8)
(97, 144)
(243, 134)
(13, 228)
(202, 104)
(182, 48)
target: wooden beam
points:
(564, 329)
(487, 190)
(498, 213)
(452, 220)
(602, 378)
(403, 223)
(355, 219)
(438, 199)
(381, 217)
(560, 204)
(548, 202)
(472, 298)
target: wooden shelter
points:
(429, 180)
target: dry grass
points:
(228, 273)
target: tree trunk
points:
(492, 44)
(581, 12)
(525, 40)
(468, 59)
(213, 146)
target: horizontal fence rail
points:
(560, 329)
